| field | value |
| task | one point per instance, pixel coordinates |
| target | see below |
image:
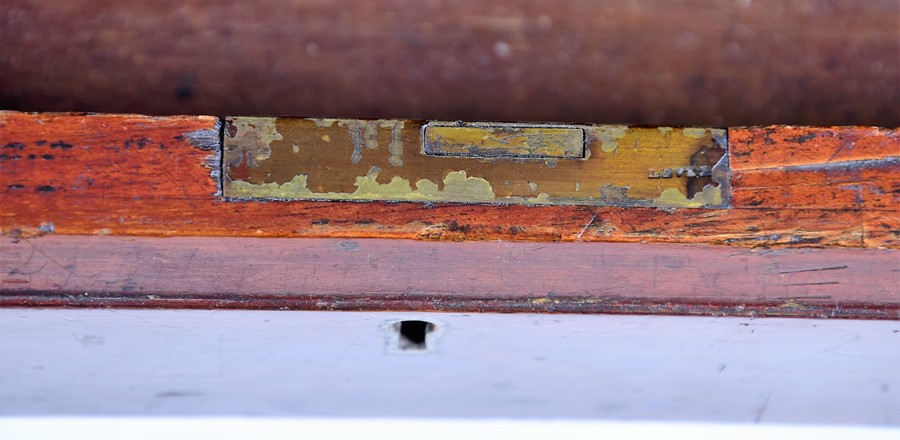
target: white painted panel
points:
(218, 428)
(346, 364)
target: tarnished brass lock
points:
(402, 160)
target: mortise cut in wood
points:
(403, 160)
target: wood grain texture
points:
(869, 185)
(694, 62)
(334, 274)
(755, 148)
(137, 175)
(846, 168)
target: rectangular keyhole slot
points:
(414, 334)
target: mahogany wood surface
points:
(157, 176)
(837, 168)
(381, 274)
(692, 62)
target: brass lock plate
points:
(506, 140)
(403, 160)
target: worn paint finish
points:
(502, 140)
(475, 163)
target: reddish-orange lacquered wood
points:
(379, 274)
(871, 185)
(837, 168)
(137, 175)
(779, 146)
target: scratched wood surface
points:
(690, 62)
(157, 176)
(833, 168)
(380, 274)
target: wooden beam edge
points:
(387, 274)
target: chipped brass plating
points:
(502, 140)
(399, 160)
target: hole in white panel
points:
(413, 334)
